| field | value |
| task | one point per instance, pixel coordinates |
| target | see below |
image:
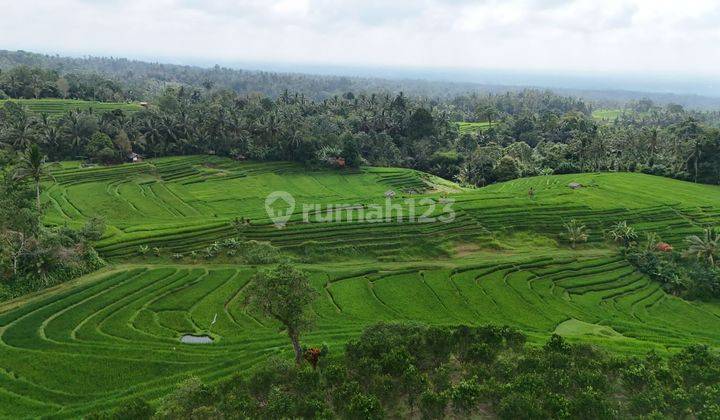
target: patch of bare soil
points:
(466, 248)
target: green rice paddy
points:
(465, 127)
(607, 114)
(55, 107)
(114, 335)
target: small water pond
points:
(196, 339)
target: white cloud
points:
(614, 35)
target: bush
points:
(191, 394)
(433, 405)
(135, 409)
(364, 407)
(465, 395)
(567, 168)
(93, 229)
(678, 276)
(255, 252)
(391, 367)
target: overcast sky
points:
(670, 36)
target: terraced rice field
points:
(115, 335)
(465, 127)
(186, 203)
(606, 114)
(55, 107)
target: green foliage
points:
(256, 252)
(575, 233)
(100, 148)
(706, 247)
(692, 274)
(94, 229)
(559, 380)
(135, 409)
(622, 234)
(284, 293)
(33, 257)
(187, 400)
(508, 168)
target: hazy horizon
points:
(661, 83)
(583, 36)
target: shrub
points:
(433, 405)
(575, 232)
(93, 229)
(384, 369)
(135, 409)
(191, 394)
(255, 252)
(567, 168)
(465, 395)
(363, 406)
(518, 405)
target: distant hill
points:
(148, 78)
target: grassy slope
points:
(55, 107)
(114, 335)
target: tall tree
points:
(705, 247)
(33, 166)
(285, 294)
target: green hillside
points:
(55, 107)
(186, 203)
(115, 335)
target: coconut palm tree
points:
(705, 247)
(32, 165)
(575, 232)
(19, 130)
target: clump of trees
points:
(33, 256)
(529, 133)
(692, 273)
(25, 82)
(563, 136)
(411, 371)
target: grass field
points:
(54, 107)
(472, 127)
(606, 114)
(114, 335)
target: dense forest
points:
(139, 80)
(525, 133)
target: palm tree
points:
(78, 126)
(705, 247)
(575, 233)
(151, 139)
(622, 234)
(33, 166)
(19, 131)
